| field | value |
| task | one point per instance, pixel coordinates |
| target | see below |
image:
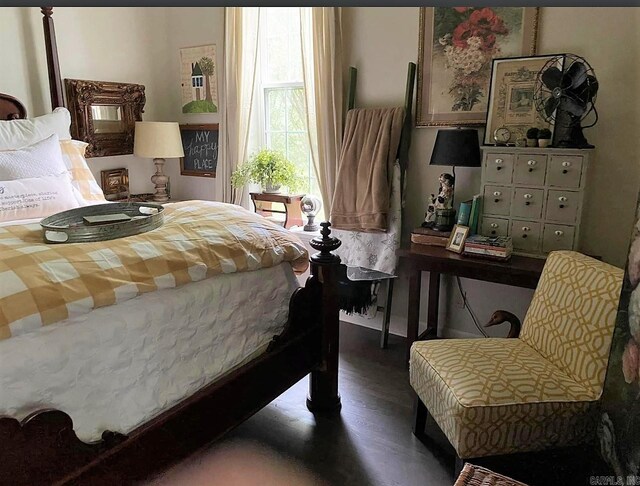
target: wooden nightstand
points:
(263, 204)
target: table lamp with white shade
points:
(159, 141)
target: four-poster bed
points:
(44, 449)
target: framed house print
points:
(511, 97)
(198, 75)
(456, 48)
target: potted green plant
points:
(532, 137)
(544, 137)
(269, 168)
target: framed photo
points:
(115, 184)
(511, 100)
(456, 47)
(458, 236)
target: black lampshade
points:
(457, 147)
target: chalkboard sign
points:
(200, 144)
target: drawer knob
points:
(499, 168)
(561, 206)
(493, 232)
(498, 161)
(565, 171)
(524, 235)
(528, 196)
(526, 228)
(559, 233)
(531, 163)
(497, 193)
(562, 199)
(530, 169)
(566, 164)
(494, 225)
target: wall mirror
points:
(104, 113)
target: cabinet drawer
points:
(527, 203)
(564, 171)
(494, 227)
(525, 235)
(497, 200)
(557, 237)
(498, 168)
(530, 169)
(562, 206)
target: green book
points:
(464, 213)
(474, 216)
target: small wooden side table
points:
(263, 204)
(519, 271)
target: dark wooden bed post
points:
(323, 381)
(53, 65)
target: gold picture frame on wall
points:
(456, 48)
(511, 97)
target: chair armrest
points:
(500, 316)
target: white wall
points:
(381, 41)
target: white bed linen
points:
(119, 366)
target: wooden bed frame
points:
(44, 449)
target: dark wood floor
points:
(370, 441)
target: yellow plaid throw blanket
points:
(41, 283)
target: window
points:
(282, 90)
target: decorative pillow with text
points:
(36, 197)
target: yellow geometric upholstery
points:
(499, 396)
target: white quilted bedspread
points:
(156, 350)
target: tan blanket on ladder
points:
(369, 149)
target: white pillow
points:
(38, 160)
(36, 197)
(16, 134)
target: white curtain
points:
(321, 29)
(242, 27)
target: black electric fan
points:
(565, 95)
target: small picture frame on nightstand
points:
(115, 184)
(458, 236)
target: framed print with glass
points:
(511, 98)
(456, 47)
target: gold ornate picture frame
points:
(511, 97)
(456, 48)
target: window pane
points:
(277, 141)
(282, 61)
(276, 108)
(296, 110)
(298, 151)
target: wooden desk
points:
(263, 204)
(519, 271)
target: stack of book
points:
(496, 247)
(430, 237)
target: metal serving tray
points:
(69, 226)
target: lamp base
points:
(445, 219)
(160, 181)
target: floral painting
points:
(619, 428)
(457, 46)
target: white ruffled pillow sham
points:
(15, 134)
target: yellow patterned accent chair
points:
(540, 390)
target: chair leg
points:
(420, 417)
(384, 337)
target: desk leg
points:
(413, 311)
(293, 215)
(434, 301)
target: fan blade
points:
(575, 75)
(552, 77)
(550, 105)
(572, 106)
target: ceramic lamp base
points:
(160, 181)
(445, 219)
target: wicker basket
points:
(478, 476)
